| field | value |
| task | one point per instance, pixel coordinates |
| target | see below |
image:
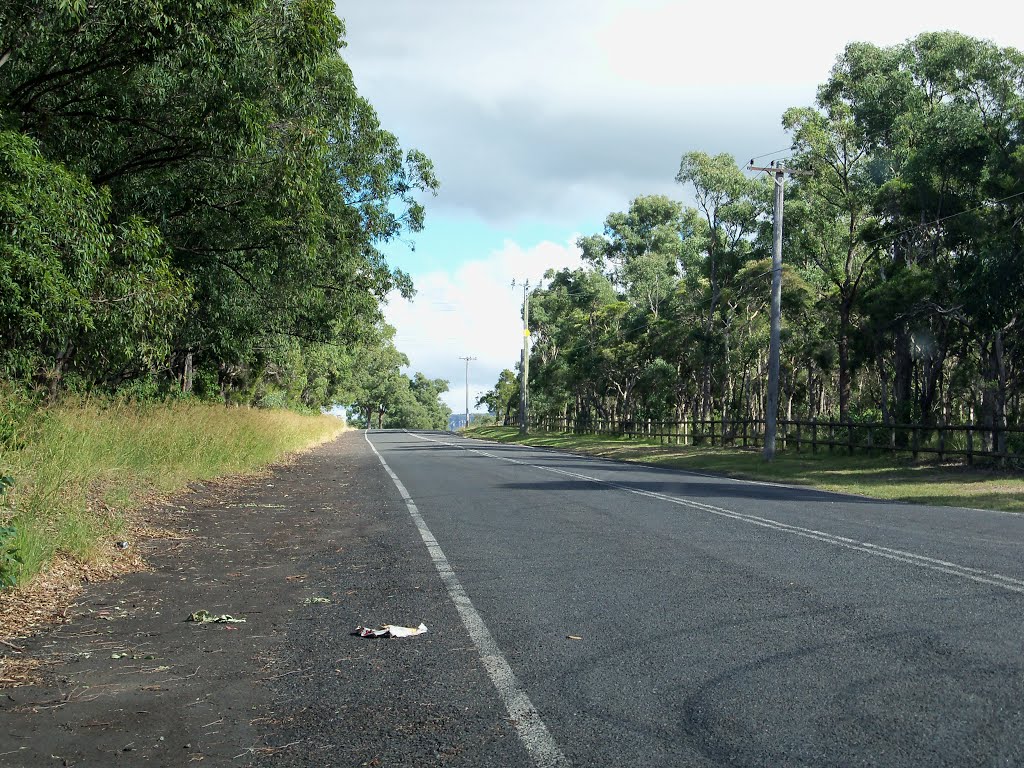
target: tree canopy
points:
(903, 284)
(194, 198)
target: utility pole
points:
(524, 365)
(775, 344)
(467, 359)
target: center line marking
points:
(876, 550)
(539, 743)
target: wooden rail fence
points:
(972, 441)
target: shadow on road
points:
(696, 489)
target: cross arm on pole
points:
(781, 169)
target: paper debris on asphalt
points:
(316, 601)
(391, 630)
(205, 617)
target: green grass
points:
(882, 477)
(80, 466)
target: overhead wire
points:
(776, 152)
(941, 219)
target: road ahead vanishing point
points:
(630, 615)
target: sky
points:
(544, 116)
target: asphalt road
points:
(721, 622)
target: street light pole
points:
(467, 359)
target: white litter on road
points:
(391, 630)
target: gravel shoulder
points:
(129, 681)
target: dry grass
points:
(82, 468)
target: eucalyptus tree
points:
(718, 238)
(640, 250)
(76, 288)
(942, 115)
(230, 138)
(503, 399)
(831, 217)
(570, 346)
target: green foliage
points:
(18, 410)
(196, 195)
(75, 286)
(903, 268)
(10, 559)
(382, 396)
(503, 400)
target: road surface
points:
(580, 613)
(721, 622)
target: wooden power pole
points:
(775, 344)
(524, 365)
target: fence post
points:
(970, 445)
(814, 436)
(745, 432)
(849, 437)
(798, 437)
(916, 441)
(942, 442)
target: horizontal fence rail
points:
(972, 441)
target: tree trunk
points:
(883, 379)
(903, 383)
(993, 396)
(811, 395)
(844, 362)
(186, 376)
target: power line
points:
(943, 218)
(769, 154)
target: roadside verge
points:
(304, 554)
(880, 477)
(82, 472)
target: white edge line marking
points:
(921, 561)
(539, 742)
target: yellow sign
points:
(526, 333)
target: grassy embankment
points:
(80, 468)
(883, 477)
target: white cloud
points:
(517, 103)
(472, 310)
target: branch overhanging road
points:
(722, 621)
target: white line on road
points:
(930, 563)
(539, 742)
